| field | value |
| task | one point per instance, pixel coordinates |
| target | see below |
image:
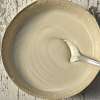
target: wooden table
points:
(8, 90)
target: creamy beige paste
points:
(41, 56)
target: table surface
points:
(8, 90)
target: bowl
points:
(36, 58)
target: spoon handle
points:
(89, 60)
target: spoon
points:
(77, 56)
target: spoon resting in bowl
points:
(77, 56)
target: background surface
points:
(8, 90)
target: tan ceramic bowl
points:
(88, 73)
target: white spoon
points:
(76, 55)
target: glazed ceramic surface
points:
(37, 59)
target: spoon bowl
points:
(76, 55)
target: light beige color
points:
(42, 58)
(59, 42)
